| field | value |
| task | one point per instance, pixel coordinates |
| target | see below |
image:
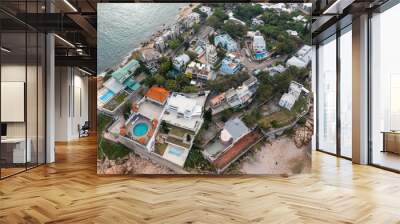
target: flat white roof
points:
(150, 110)
(113, 85)
(181, 102)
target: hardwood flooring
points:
(69, 191)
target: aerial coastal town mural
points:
(208, 89)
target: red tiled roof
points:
(158, 94)
(236, 149)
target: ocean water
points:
(122, 27)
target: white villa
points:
(257, 22)
(276, 69)
(292, 33)
(200, 71)
(289, 99)
(243, 94)
(226, 41)
(206, 10)
(160, 109)
(302, 58)
(258, 45)
(185, 111)
(191, 19)
(180, 62)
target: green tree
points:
(189, 89)
(165, 66)
(164, 127)
(226, 114)
(246, 11)
(192, 55)
(182, 81)
(220, 14)
(149, 81)
(196, 27)
(174, 44)
(208, 115)
(211, 38)
(159, 80)
(171, 85)
(234, 29)
(221, 52)
(214, 22)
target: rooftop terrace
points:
(123, 73)
(236, 150)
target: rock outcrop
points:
(131, 164)
(303, 135)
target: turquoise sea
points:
(122, 27)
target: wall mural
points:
(204, 88)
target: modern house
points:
(234, 140)
(257, 22)
(300, 18)
(185, 111)
(242, 95)
(289, 99)
(225, 41)
(180, 113)
(302, 58)
(233, 130)
(280, 7)
(207, 10)
(200, 71)
(259, 46)
(150, 56)
(292, 33)
(180, 62)
(199, 48)
(118, 88)
(230, 65)
(191, 19)
(276, 69)
(218, 100)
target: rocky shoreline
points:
(130, 165)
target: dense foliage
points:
(246, 12)
(217, 19)
(234, 29)
(223, 83)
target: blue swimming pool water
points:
(106, 96)
(140, 129)
(175, 151)
(261, 55)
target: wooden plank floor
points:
(69, 191)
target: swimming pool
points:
(260, 55)
(175, 151)
(140, 129)
(106, 96)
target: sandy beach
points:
(281, 156)
(185, 11)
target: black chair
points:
(84, 130)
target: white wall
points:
(71, 102)
(33, 126)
